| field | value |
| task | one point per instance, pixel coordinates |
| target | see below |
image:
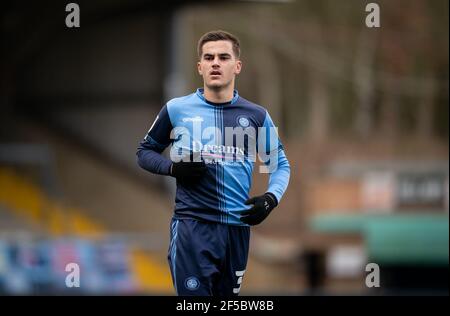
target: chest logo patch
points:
(243, 121)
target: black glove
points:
(262, 206)
(188, 172)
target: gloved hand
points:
(262, 206)
(188, 172)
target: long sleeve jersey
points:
(229, 137)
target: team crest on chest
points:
(243, 121)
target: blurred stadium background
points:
(363, 114)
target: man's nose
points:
(216, 61)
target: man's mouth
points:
(215, 73)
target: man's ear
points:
(238, 69)
(199, 68)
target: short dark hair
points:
(219, 36)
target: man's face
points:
(218, 65)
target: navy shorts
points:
(207, 258)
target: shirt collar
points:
(200, 94)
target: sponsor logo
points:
(193, 119)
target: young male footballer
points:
(215, 136)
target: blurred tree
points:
(317, 63)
